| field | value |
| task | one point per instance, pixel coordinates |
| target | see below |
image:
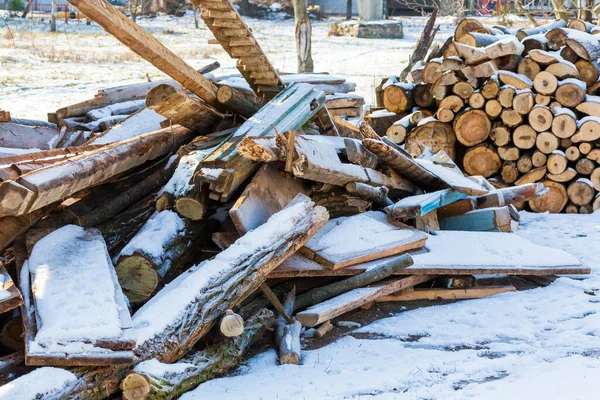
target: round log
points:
(509, 153)
(453, 102)
(493, 108)
(490, 89)
(585, 147)
(540, 118)
(539, 159)
(509, 173)
(546, 142)
(587, 72)
(476, 100)
(524, 163)
(586, 209)
(564, 125)
(431, 73)
(462, 89)
(472, 127)
(563, 70)
(423, 96)
(568, 54)
(482, 160)
(545, 83)
(585, 166)
(444, 115)
(11, 335)
(397, 99)
(138, 277)
(135, 386)
(554, 201)
(542, 99)
(565, 143)
(595, 178)
(596, 204)
(557, 163)
(524, 137)
(231, 325)
(581, 192)
(573, 153)
(569, 94)
(571, 209)
(434, 135)
(467, 25)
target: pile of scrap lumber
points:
(151, 257)
(513, 105)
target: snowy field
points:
(41, 71)
(537, 344)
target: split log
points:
(431, 72)
(524, 163)
(181, 109)
(588, 71)
(523, 33)
(462, 89)
(482, 160)
(523, 102)
(563, 177)
(178, 329)
(471, 55)
(554, 201)
(591, 106)
(504, 47)
(501, 135)
(508, 63)
(467, 25)
(483, 70)
(423, 97)
(585, 45)
(588, 130)
(529, 68)
(490, 88)
(472, 127)
(518, 81)
(511, 118)
(411, 294)
(381, 120)
(532, 176)
(493, 108)
(563, 70)
(477, 39)
(509, 153)
(542, 99)
(153, 379)
(509, 172)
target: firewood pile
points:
(513, 105)
(146, 254)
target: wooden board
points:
(420, 205)
(493, 250)
(109, 351)
(266, 194)
(346, 241)
(14, 300)
(412, 294)
(489, 219)
(353, 299)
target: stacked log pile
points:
(222, 217)
(517, 105)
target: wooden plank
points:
(316, 158)
(353, 299)
(11, 297)
(420, 205)
(412, 294)
(44, 343)
(266, 194)
(360, 238)
(147, 47)
(488, 219)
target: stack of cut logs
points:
(513, 105)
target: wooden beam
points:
(418, 206)
(355, 298)
(491, 219)
(148, 47)
(412, 294)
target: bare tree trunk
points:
(53, 17)
(27, 9)
(196, 23)
(348, 9)
(303, 37)
(133, 9)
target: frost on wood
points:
(181, 313)
(141, 122)
(42, 383)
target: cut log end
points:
(135, 386)
(137, 277)
(231, 324)
(191, 208)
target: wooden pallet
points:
(232, 33)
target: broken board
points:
(346, 241)
(75, 313)
(10, 297)
(266, 194)
(435, 294)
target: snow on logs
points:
(519, 106)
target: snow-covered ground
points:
(536, 344)
(41, 71)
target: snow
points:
(164, 309)
(540, 37)
(521, 77)
(212, 173)
(73, 289)
(38, 384)
(593, 99)
(180, 181)
(534, 344)
(142, 122)
(581, 84)
(154, 367)
(426, 121)
(156, 234)
(382, 113)
(564, 110)
(506, 41)
(587, 119)
(559, 152)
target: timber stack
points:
(152, 235)
(513, 105)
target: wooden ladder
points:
(237, 40)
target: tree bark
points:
(303, 37)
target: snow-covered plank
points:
(143, 121)
(441, 166)
(418, 206)
(74, 310)
(411, 294)
(364, 237)
(41, 383)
